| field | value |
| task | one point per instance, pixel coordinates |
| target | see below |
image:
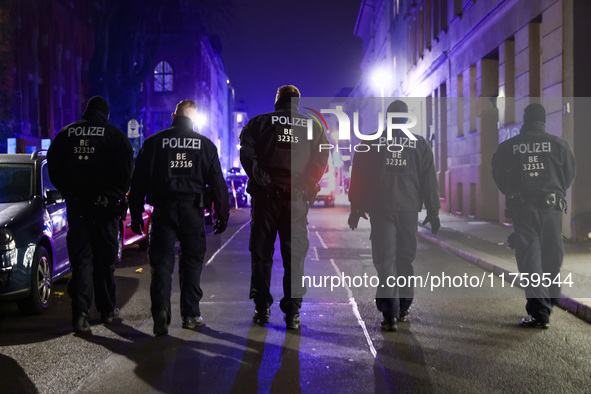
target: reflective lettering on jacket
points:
(181, 143)
(86, 131)
(532, 147)
(289, 120)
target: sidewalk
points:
(484, 244)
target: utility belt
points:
(546, 200)
(281, 193)
(101, 203)
(197, 199)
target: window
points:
(15, 182)
(535, 58)
(473, 100)
(509, 100)
(460, 198)
(472, 200)
(163, 77)
(460, 105)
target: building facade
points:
(46, 87)
(478, 64)
(190, 68)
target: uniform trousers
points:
(394, 247)
(272, 215)
(172, 221)
(539, 251)
(93, 252)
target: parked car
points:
(128, 238)
(33, 228)
(328, 185)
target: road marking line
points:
(224, 245)
(352, 302)
(360, 320)
(321, 240)
(355, 308)
(315, 249)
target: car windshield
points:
(16, 182)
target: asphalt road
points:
(456, 340)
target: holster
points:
(274, 191)
(552, 200)
(513, 200)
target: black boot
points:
(261, 315)
(160, 322)
(292, 321)
(80, 323)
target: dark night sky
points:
(307, 43)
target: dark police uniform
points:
(172, 171)
(391, 184)
(533, 171)
(90, 162)
(284, 168)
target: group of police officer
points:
(91, 162)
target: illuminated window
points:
(163, 77)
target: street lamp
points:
(381, 79)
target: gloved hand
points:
(433, 218)
(121, 207)
(137, 226)
(221, 224)
(261, 177)
(354, 217)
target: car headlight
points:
(6, 239)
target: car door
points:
(59, 222)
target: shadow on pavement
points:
(287, 378)
(403, 366)
(247, 378)
(13, 378)
(18, 329)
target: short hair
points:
(183, 106)
(287, 89)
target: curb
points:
(575, 307)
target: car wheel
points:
(144, 243)
(41, 293)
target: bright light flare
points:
(381, 78)
(200, 119)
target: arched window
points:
(163, 77)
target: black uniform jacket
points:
(276, 145)
(177, 164)
(395, 180)
(534, 163)
(91, 158)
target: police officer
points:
(391, 182)
(172, 171)
(90, 163)
(284, 168)
(533, 171)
